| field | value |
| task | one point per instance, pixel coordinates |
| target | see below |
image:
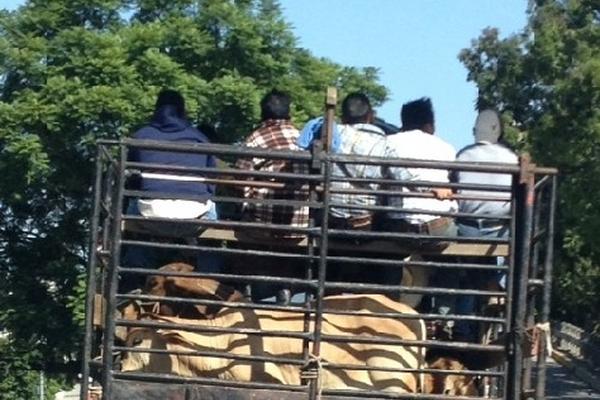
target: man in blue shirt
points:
(170, 124)
(358, 136)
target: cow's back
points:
(370, 354)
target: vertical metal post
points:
(532, 291)
(91, 276)
(524, 213)
(113, 280)
(330, 104)
(540, 390)
(510, 279)
(310, 249)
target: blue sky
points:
(414, 43)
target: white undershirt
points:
(172, 208)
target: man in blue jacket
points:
(169, 124)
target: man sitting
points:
(275, 132)
(358, 136)
(488, 148)
(417, 141)
(169, 124)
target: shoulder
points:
(369, 129)
(200, 134)
(439, 145)
(507, 154)
(145, 132)
(400, 137)
(253, 138)
(488, 152)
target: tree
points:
(546, 80)
(72, 72)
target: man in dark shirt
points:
(169, 124)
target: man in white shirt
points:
(488, 147)
(417, 141)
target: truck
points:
(335, 345)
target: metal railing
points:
(319, 251)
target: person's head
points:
(418, 114)
(488, 127)
(275, 105)
(170, 98)
(356, 109)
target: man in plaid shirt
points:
(275, 132)
(358, 137)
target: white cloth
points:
(486, 152)
(173, 209)
(419, 145)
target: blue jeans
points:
(153, 258)
(466, 305)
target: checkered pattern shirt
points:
(362, 140)
(277, 135)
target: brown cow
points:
(188, 287)
(360, 354)
(449, 383)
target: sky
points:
(414, 44)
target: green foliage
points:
(20, 380)
(72, 72)
(547, 82)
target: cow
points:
(188, 287)
(332, 352)
(449, 383)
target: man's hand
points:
(442, 193)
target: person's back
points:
(170, 125)
(418, 145)
(486, 149)
(483, 152)
(276, 132)
(169, 194)
(358, 136)
(417, 141)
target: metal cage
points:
(515, 331)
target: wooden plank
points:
(447, 249)
(357, 246)
(375, 246)
(98, 311)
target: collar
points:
(271, 122)
(370, 128)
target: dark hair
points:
(416, 114)
(169, 97)
(356, 108)
(275, 105)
